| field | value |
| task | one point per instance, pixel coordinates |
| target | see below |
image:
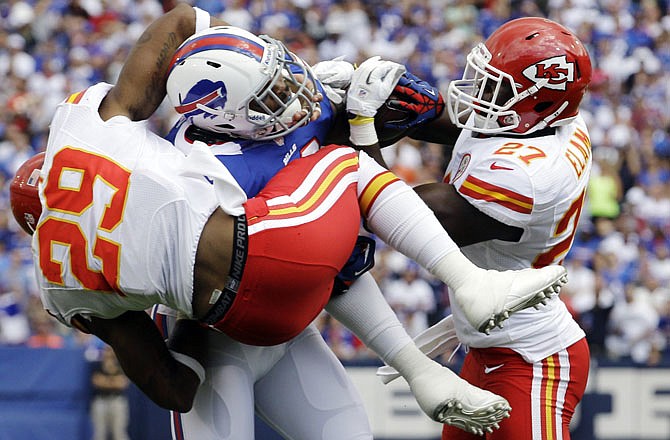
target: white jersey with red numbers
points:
(537, 184)
(112, 185)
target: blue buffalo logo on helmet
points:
(205, 93)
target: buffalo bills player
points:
(254, 153)
(512, 195)
(254, 133)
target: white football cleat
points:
(446, 398)
(490, 298)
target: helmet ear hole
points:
(542, 106)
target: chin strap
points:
(549, 119)
(195, 133)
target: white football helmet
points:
(227, 80)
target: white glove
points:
(371, 85)
(335, 76)
(433, 341)
(336, 73)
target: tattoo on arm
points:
(164, 58)
(154, 95)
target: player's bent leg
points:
(224, 404)
(489, 297)
(395, 213)
(302, 228)
(439, 392)
(307, 395)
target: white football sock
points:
(364, 310)
(401, 219)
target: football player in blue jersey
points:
(214, 83)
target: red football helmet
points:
(529, 74)
(23, 195)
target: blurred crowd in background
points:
(619, 267)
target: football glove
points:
(335, 73)
(335, 76)
(362, 259)
(371, 85)
(420, 101)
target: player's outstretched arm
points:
(438, 131)
(168, 377)
(141, 85)
(465, 223)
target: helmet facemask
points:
(487, 92)
(290, 90)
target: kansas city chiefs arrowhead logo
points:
(557, 70)
(465, 161)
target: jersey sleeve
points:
(498, 187)
(64, 304)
